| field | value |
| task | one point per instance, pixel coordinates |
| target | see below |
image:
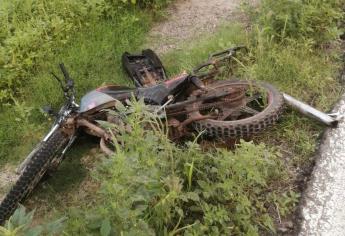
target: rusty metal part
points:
(235, 101)
(105, 148)
(95, 130)
(92, 128)
(194, 118)
(69, 127)
(235, 98)
(215, 62)
(195, 99)
(232, 96)
(212, 70)
(179, 129)
(242, 122)
(174, 122)
(227, 96)
(173, 129)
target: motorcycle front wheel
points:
(32, 174)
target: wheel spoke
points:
(249, 110)
(226, 113)
(253, 98)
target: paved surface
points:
(323, 211)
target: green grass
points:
(31, 30)
(92, 58)
(194, 53)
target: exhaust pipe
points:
(311, 112)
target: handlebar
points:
(68, 80)
(199, 67)
(228, 53)
(68, 86)
(215, 58)
(64, 72)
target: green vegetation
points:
(314, 22)
(20, 224)
(92, 55)
(158, 187)
(33, 30)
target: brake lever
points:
(215, 59)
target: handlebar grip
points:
(64, 71)
(198, 68)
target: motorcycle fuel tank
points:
(94, 99)
(104, 95)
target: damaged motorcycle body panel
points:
(104, 95)
(93, 100)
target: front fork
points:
(59, 157)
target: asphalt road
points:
(323, 208)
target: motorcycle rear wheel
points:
(245, 125)
(32, 174)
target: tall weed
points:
(296, 69)
(314, 21)
(152, 186)
(20, 224)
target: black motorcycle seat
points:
(155, 95)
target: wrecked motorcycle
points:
(194, 102)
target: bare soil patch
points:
(7, 178)
(187, 20)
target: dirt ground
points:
(7, 178)
(187, 20)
